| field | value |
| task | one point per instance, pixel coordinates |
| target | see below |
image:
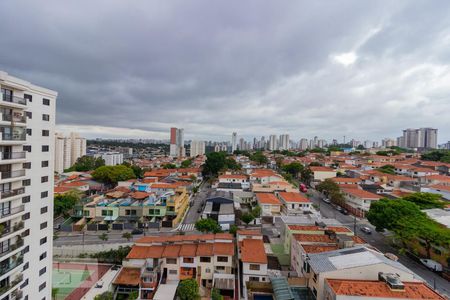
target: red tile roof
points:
(315, 238)
(321, 169)
(267, 198)
(361, 194)
(128, 276)
(293, 197)
(139, 195)
(319, 248)
(252, 251)
(171, 251)
(188, 250)
(379, 289)
(143, 252)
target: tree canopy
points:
(425, 200)
(186, 163)
(408, 223)
(188, 290)
(207, 225)
(388, 169)
(104, 296)
(293, 168)
(258, 157)
(86, 163)
(64, 203)
(113, 174)
(218, 161)
(332, 190)
(437, 155)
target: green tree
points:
(214, 163)
(207, 225)
(425, 200)
(388, 169)
(169, 166)
(233, 229)
(186, 163)
(113, 174)
(188, 290)
(86, 163)
(361, 147)
(133, 295)
(127, 235)
(327, 187)
(247, 218)
(231, 164)
(54, 293)
(259, 158)
(293, 168)
(437, 155)
(104, 296)
(103, 237)
(215, 294)
(64, 203)
(306, 175)
(256, 211)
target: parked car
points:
(432, 265)
(326, 200)
(303, 188)
(366, 230)
(137, 231)
(340, 209)
(200, 209)
(344, 211)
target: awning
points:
(281, 288)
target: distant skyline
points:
(366, 70)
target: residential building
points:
(303, 145)
(68, 150)
(273, 143)
(111, 158)
(240, 179)
(233, 142)
(157, 262)
(322, 173)
(26, 188)
(420, 138)
(284, 142)
(177, 142)
(358, 201)
(220, 209)
(197, 148)
(269, 203)
(294, 203)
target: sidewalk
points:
(106, 281)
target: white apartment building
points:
(197, 148)
(26, 188)
(233, 142)
(68, 150)
(284, 142)
(273, 143)
(111, 158)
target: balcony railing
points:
(14, 99)
(12, 284)
(12, 193)
(13, 155)
(13, 174)
(12, 118)
(12, 229)
(14, 136)
(19, 243)
(11, 211)
(11, 265)
(16, 295)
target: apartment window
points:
(253, 278)
(27, 148)
(26, 233)
(45, 148)
(43, 240)
(43, 256)
(44, 179)
(44, 210)
(44, 163)
(46, 101)
(171, 261)
(26, 216)
(26, 199)
(315, 277)
(43, 225)
(26, 250)
(220, 268)
(26, 266)
(173, 272)
(205, 259)
(42, 271)
(45, 117)
(27, 165)
(44, 194)
(24, 284)
(29, 114)
(42, 286)
(207, 270)
(29, 131)
(28, 97)
(26, 182)
(222, 258)
(254, 267)
(107, 213)
(188, 260)
(45, 132)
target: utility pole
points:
(354, 224)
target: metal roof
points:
(281, 288)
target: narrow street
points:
(379, 241)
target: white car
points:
(432, 265)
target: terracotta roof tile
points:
(171, 251)
(224, 249)
(267, 198)
(206, 249)
(319, 248)
(142, 252)
(188, 250)
(293, 197)
(128, 276)
(252, 251)
(362, 194)
(314, 238)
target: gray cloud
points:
(360, 69)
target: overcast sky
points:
(364, 69)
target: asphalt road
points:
(193, 215)
(380, 242)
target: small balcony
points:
(11, 229)
(14, 99)
(19, 243)
(4, 289)
(19, 118)
(16, 295)
(12, 264)
(12, 174)
(6, 212)
(20, 136)
(13, 155)
(12, 193)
